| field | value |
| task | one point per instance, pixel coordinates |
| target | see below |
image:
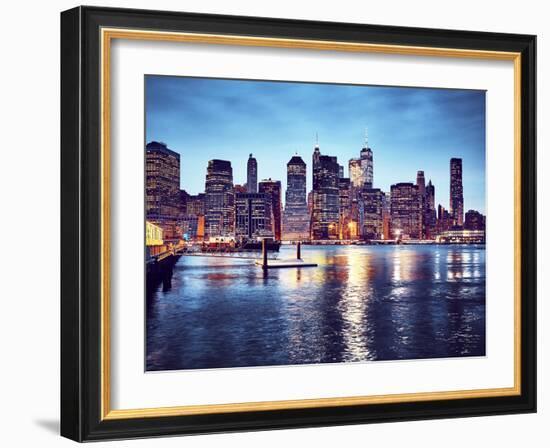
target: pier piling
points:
(264, 254)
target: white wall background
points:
(29, 224)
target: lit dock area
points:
(274, 264)
(265, 263)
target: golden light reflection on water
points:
(354, 304)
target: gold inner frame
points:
(107, 35)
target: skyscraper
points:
(430, 218)
(324, 217)
(361, 170)
(373, 210)
(406, 211)
(296, 215)
(421, 182)
(356, 174)
(252, 175)
(162, 187)
(456, 206)
(344, 208)
(253, 215)
(272, 188)
(367, 165)
(219, 199)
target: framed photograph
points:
(274, 223)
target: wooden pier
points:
(265, 263)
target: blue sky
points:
(409, 129)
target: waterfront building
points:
(154, 240)
(444, 220)
(462, 237)
(373, 213)
(324, 216)
(252, 175)
(296, 213)
(474, 220)
(219, 200)
(456, 207)
(162, 188)
(406, 211)
(272, 188)
(344, 208)
(253, 215)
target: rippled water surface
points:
(361, 303)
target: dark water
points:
(362, 303)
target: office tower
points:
(193, 219)
(421, 183)
(356, 174)
(296, 214)
(430, 217)
(406, 211)
(162, 188)
(253, 215)
(373, 213)
(367, 165)
(183, 198)
(272, 188)
(474, 220)
(219, 199)
(361, 170)
(444, 220)
(386, 216)
(340, 171)
(344, 208)
(252, 175)
(195, 204)
(324, 217)
(456, 207)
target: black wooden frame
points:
(81, 223)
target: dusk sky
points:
(409, 129)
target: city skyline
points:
(454, 113)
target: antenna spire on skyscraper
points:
(366, 137)
(316, 139)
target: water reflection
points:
(361, 303)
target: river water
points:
(362, 303)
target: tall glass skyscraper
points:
(361, 170)
(296, 215)
(252, 175)
(272, 190)
(456, 206)
(406, 211)
(219, 201)
(325, 216)
(162, 187)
